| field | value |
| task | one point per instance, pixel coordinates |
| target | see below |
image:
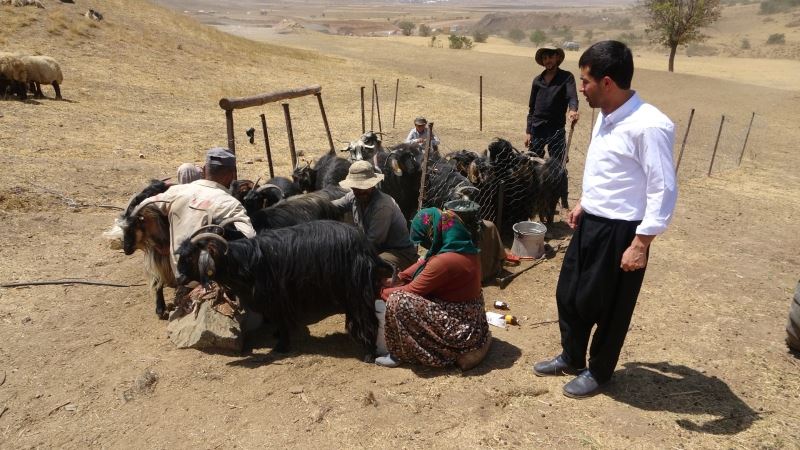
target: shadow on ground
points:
(682, 390)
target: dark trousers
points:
(593, 290)
(553, 138)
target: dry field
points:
(90, 366)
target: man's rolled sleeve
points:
(662, 194)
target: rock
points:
(144, 385)
(206, 330)
(296, 390)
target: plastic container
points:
(528, 239)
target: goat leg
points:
(161, 307)
(283, 339)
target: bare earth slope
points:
(704, 365)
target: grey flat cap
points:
(219, 156)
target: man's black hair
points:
(611, 59)
(215, 170)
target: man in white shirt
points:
(419, 134)
(628, 197)
(202, 202)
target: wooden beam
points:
(270, 97)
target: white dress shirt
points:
(629, 173)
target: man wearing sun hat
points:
(553, 100)
(419, 134)
(377, 214)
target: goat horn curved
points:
(466, 191)
(213, 237)
(272, 186)
(228, 221)
(255, 185)
(472, 173)
(537, 159)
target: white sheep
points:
(43, 70)
(36, 3)
(13, 74)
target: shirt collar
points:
(211, 184)
(623, 111)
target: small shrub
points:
(745, 44)
(776, 39)
(480, 36)
(424, 30)
(460, 42)
(777, 6)
(538, 37)
(407, 27)
(516, 35)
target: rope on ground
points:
(67, 281)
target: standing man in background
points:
(553, 100)
(629, 194)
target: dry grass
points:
(704, 365)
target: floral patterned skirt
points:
(433, 332)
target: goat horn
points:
(466, 191)
(255, 185)
(537, 159)
(272, 186)
(204, 229)
(229, 221)
(213, 237)
(473, 173)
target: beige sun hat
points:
(361, 176)
(549, 48)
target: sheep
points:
(43, 70)
(13, 75)
(147, 228)
(288, 272)
(327, 171)
(296, 210)
(36, 3)
(94, 15)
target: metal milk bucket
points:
(528, 239)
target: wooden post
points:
(396, 90)
(266, 145)
(229, 122)
(683, 145)
(746, 136)
(261, 99)
(378, 107)
(288, 117)
(501, 191)
(480, 105)
(425, 166)
(372, 110)
(325, 121)
(714, 153)
(363, 122)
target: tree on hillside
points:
(480, 36)
(424, 30)
(407, 27)
(538, 37)
(678, 22)
(516, 35)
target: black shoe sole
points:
(579, 397)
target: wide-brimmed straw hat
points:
(549, 48)
(361, 176)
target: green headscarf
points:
(441, 232)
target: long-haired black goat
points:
(326, 172)
(287, 272)
(147, 229)
(296, 210)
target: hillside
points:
(90, 366)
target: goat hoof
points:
(162, 313)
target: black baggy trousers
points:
(593, 290)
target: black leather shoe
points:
(582, 386)
(554, 367)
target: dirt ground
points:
(704, 365)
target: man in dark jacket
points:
(553, 100)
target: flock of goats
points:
(305, 258)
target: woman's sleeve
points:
(433, 276)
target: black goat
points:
(147, 229)
(288, 272)
(551, 177)
(327, 171)
(296, 210)
(254, 196)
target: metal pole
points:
(396, 90)
(289, 133)
(363, 122)
(325, 121)
(424, 167)
(378, 107)
(745, 138)
(480, 107)
(372, 110)
(229, 122)
(266, 144)
(683, 145)
(714, 153)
